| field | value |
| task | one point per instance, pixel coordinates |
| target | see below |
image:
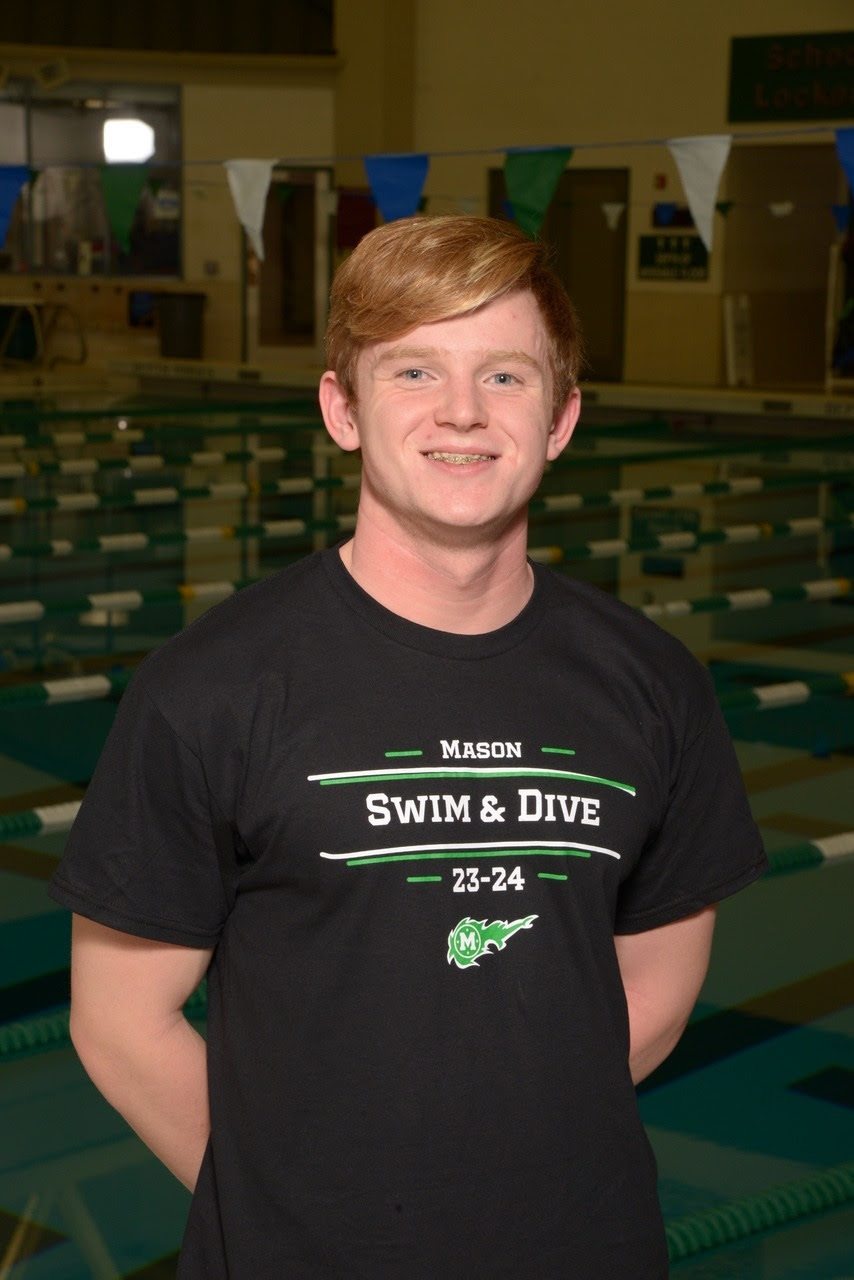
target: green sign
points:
(807, 77)
(669, 256)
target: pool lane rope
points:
(540, 507)
(126, 435)
(129, 600)
(171, 495)
(92, 688)
(146, 463)
(736, 1220)
(740, 486)
(687, 540)
(597, 549)
(751, 598)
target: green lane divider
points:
(146, 463)
(171, 495)
(811, 853)
(752, 598)
(596, 549)
(773, 450)
(741, 486)
(72, 439)
(786, 694)
(119, 544)
(685, 540)
(113, 684)
(766, 1211)
(39, 822)
(249, 409)
(67, 689)
(540, 507)
(126, 435)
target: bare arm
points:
(662, 971)
(127, 1025)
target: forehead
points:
(511, 324)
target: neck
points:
(464, 589)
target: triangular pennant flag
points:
(842, 216)
(845, 151)
(613, 211)
(397, 183)
(12, 179)
(122, 186)
(782, 208)
(663, 213)
(723, 207)
(531, 177)
(249, 182)
(700, 162)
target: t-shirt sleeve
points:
(150, 852)
(707, 845)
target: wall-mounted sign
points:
(808, 77)
(672, 257)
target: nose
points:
(460, 404)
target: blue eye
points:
(412, 375)
(504, 379)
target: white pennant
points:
(249, 181)
(613, 211)
(700, 162)
(782, 208)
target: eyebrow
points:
(499, 356)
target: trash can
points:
(180, 319)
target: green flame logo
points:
(469, 940)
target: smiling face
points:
(455, 422)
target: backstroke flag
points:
(249, 182)
(122, 186)
(397, 183)
(12, 179)
(845, 151)
(700, 162)
(531, 176)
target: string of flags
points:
(397, 185)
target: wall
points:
(440, 76)
(597, 74)
(230, 122)
(232, 107)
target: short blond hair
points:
(419, 270)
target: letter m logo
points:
(468, 940)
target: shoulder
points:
(627, 649)
(240, 641)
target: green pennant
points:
(532, 178)
(122, 186)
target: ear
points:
(560, 432)
(338, 413)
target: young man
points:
(445, 831)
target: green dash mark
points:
(397, 755)
(557, 751)
(427, 879)
(547, 875)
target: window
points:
(76, 215)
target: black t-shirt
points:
(410, 850)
